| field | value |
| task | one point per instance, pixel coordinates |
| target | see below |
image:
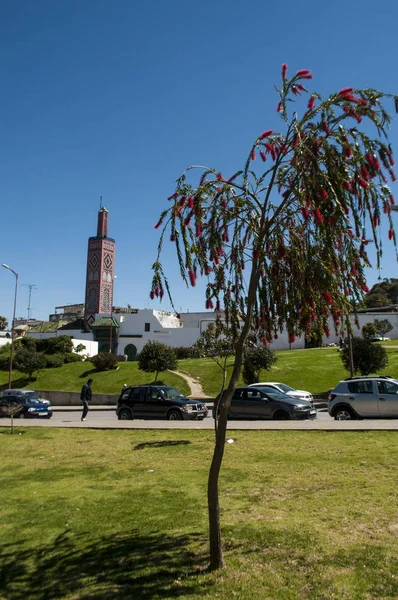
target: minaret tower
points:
(100, 271)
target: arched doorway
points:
(130, 351)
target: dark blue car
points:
(24, 407)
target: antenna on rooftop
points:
(100, 202)
(31, 287)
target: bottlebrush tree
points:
(283, 242)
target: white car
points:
(285, 389)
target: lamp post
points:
(13, 323)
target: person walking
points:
(85, 397)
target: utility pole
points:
(31, 287)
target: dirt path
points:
(196, 388)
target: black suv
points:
(158, 402)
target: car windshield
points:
(171, 393)
(31, 396)
(285, 388)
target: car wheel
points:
(174, 415)
(343, 414)
(281, 415)
(125, 415)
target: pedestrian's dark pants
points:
(85, 409)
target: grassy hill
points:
(315, 370)
(70, 378)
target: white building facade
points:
(135, 329)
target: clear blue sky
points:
(117, 98)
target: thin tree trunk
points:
(216, 551)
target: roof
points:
(76, 324)
(47, 326)
(105, 322)
(390, 308)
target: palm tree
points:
(3, 323)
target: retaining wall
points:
(58, 398)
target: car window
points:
(237, 394)
(285, 388)
(134, 393)
(31, 395)
(171, 393)
(254, 394)
(387, 387)
(274, 393)
(153, 395)
(360, 387)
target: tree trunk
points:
(216, 551)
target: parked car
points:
(32, 394)
(254, 402)
(285, 389)
(158, 402)
(28, 407)
(364, 398)
(379, 338)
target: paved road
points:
(106, 419)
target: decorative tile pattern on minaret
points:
(100, 270)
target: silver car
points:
(364, 398)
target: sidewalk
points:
(79, 408)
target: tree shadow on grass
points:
(161, 444)
(127, 565)
(17, 383)
(87, 373)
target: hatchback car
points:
(267, 403)
(158, 402)
(24, 407)
(364, 398)
(285, 389)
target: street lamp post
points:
(13, 323)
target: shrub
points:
(104, 361)
(4, 362)
(156, 357)
(382, 327)
(71, 357)
(28, 342)
(28, 361)
(367, 357)
(59, 345)
(42, 345)
(256, 359)
(182, 352)
(54, 361)
(368, 331)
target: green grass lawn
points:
(315, 370)
(70, 378)
(122, 514)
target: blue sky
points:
(116, 99)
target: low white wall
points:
(90, 347)
(58, 398)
